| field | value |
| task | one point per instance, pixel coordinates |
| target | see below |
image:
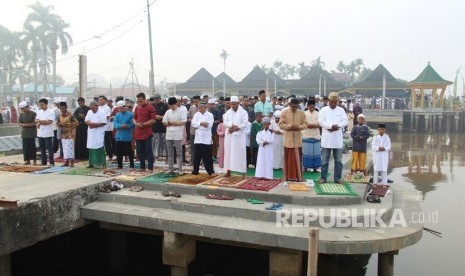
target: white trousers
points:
(384, 178)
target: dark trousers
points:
(29, 149)
(203, 153)
(192, 147)
(55, 141)
(248, 156)
(124, 149)
(109, 143)
(254, 156)
(46, 145)
(144, 151)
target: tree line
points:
(30, 55)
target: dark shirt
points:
(81, 110)
(27, 118)
(161, 109)
(360, 135)
(251, 113)
(216, 117)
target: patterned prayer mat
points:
(258, 184)
(278, 174)
(335, 189)
(52, 170)
(23, 169)
(132, 175)
(114, 165)
(86, 172)
(228, 182)
(380, 190)
(297, 187)
(159, 178)
(61, 160)
(356, 178)
(191, 179)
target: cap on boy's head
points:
(221, 98)
(381, 125)
(258, 114)
(172, 101)
(196, 97)
(361, 116)
(227, 99)
(266, 120)
(277, 114)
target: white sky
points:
(189, 34)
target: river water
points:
(434, 166)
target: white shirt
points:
(95, 136)
(178, 115)
(327, 118)
(107, 110)
(248, 130)
(45, 130)
(203, 135)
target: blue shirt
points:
(265, 108)
(124, 135)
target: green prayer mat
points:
(335, 189)
(278, 174)
(159, 178)
(83, 171)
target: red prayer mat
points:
(259, 184)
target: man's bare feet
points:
(322, 181)
(228, 174)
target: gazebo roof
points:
(256, 80)
(227, 79)
(374, 81)
(429, 76)
(311, 81)
(201, 80)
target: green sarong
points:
(97, 157)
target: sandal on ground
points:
(275, 207)
(222, 197)
(373, 199)
(136, 188)
(173, 194)
(255, 201)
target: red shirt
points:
(142, 114)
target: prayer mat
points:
(259, 184)
(335, 189)
(52, 170)
(114, 165)
(227, 182)
(23, 169)
(380, 190)
(159, 178)
(356, 178)
(297, 187)
(191, 179)
(61, 160)
(278, 174)
(86, 172)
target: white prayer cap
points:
(317, 96)
(109, 98)
(277, 114)
(185, 98)
(212, 101)
(278, 107)
(26, 99)
(22, 104)
(266, 120)
(234, 99)
(178, 98)
(361, 116)
(120, 103)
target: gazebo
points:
(201, 82)
(314, 82)
(373, 84)
(428, 79)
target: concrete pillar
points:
(440, 123)
(117, 252)
(5, 265)
(399, 126)
(416, 121)
(457, 119)
(386, 263)
(178, 252)
(286, 262)
(412, 123)
(427, 122)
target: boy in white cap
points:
(264, 166)
(360, 134)
(278, 146)
(381, 146)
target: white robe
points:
(278, 147)
(265, 155)
(235, 158)
(381, 158)
(95, 136)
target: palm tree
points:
(224, 55)
(302, 69)
(318, 63)
(58, 35)
(31, 51)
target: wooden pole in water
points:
(312, 268)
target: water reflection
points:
(424, 156)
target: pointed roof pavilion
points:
(373, 83)
(311, 82)
(257, 80)
(428, 79)
(201, 81)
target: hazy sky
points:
(189, 34)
